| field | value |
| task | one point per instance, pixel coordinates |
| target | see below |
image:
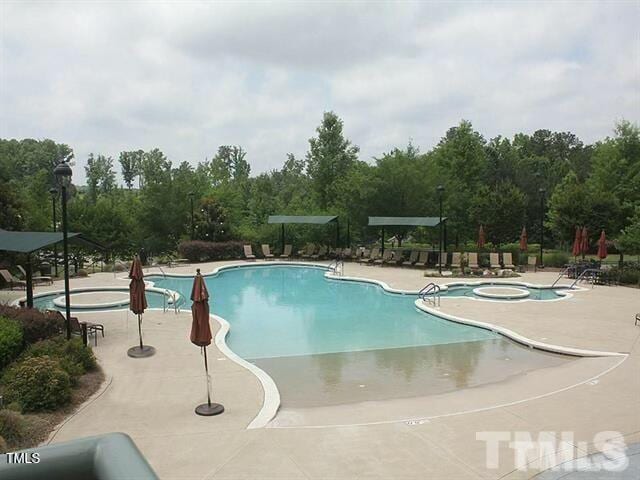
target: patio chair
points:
(507, 260)
(494, 259)
(76, 325)
(35, 279)
(310, 250)
(386, 257)
(398, 257)
(266, 251)
(248, 253)
(287, 252)
(532, 261)
(473, 260)
(413, 258)
(346, 254)
(375, 254)
(11, 280)
(441, 261)
(322, 252)
(364, 258)
(456, 260)
(423, 259)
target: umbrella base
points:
(145, 351)
(207, 410)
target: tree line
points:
(501, 183)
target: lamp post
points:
(191, 195)
(541, 191)
(54, 193)
(63, 174)
(440, 190)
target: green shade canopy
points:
(404, 221)
(313, 219)
(28, 242)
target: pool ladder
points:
(430, 293)
(588, 274)
(337, 266)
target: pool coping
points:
(271, 399)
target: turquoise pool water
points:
(281, 311)
(534, 293)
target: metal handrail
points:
(582, 274)
(334, 266)
(430, 292)
(562, 273)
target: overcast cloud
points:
(188, 76)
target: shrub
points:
(11, 341)
(38, 383)
(73, 357)
(36, 325)
(556, 259)
(3, 445)
(12, 426)
(199, 251)
(630, 276)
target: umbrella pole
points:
(140, 329)
(208, 409)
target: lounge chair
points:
(473, 260)
(423, 259)
(11, 280)
(311, 248)
(507, 260)
(346, 254)
(413, 258)
(440, 261)
(248, 253)
(375, 254)
(287, 252)
(494, 259)
(398, 257)
(36, 279)
(364, 258)
(532, 261)
(322, 252)
(456, 260)
(386, 257)
(266, 251)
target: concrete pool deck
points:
(153, 399)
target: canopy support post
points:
(29, 280)
(282, 238)
(382, 242)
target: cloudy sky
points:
(189, 76)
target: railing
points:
(172, 295)
(337, 266)
(589, 272)
(562, 273)
(430, 293)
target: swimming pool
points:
(327, 342)
(55, 300)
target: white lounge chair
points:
(494, 259)
(266, 251)
(507, 260)
(248, 253)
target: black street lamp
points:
(541, 191)
(191, 195)
(54, 193)
(63, 174)
(440, 189)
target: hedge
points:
(73, 357)
(35, 324)
(11, 341)
(201, 251)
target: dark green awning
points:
(314, 219)
(405, 221)
(27, 242)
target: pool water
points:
(45, 302)
(534, 293)
(281, 311)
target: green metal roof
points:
(27, 242)
(405, 221)
(315, 219)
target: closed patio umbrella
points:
(577, 243)
(201, 336)
(584, 242)
(137, 304)
(481, 237)
(602, 246)
(523, 240)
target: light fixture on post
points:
(63, 175)
(440, 190)
(54, 194)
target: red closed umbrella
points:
(577, 243)
(584, 242)
(523, 240)
(138, 304)
(602, 246)
(481, 237)
(201, 336)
